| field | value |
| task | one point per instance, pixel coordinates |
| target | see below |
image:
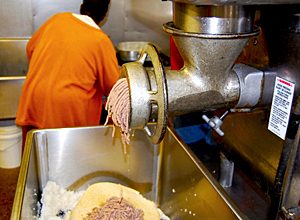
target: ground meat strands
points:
(118, 107)
(115, 209)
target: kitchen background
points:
(128, 20)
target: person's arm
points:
(110, 69)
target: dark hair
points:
(96, 9)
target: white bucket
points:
(10, 146)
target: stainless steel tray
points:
(168, 173)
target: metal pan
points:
(130, 50)
(75, 158)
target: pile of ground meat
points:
(115, 208)
(57, 203)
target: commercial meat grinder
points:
(210, 35)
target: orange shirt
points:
(72, 65)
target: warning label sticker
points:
(281, 107)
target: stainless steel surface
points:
(10, 92)
(142, 100)
(254, 144)
(169, 174)
(240, 2)
(284, 57)
(170, 28)
(13, 57)
(139, 20)
(130, 50)
(16, 18)
(225, 19)
(226, 171)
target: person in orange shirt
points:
(72, 65)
